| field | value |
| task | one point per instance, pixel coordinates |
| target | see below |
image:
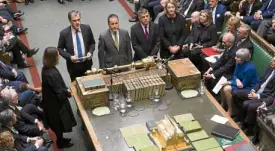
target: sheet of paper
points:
(218, 86)
(211, 59)
(219, 119)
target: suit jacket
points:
(219, 15)
(109, 55)
(244, 10)
(269, 90)
(267, 12)
(246, 73)
(6, 71)
(247, 43)
(197, 5)
(66, 47)
(141, 45)
(205, 35)
(226, 63)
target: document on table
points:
(219, 119)
(218, 86)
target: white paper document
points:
(218, 86)
(219, 119)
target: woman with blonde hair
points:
(172, 31)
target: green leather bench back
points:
(261, 59)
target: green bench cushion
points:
(261, 59)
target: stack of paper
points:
(190, 126)
(197, 135)
(184, 117)
(136, 136)
(206, 144)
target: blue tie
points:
(261, 90)
(78, 44)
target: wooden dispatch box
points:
(95, 97)
(184, 74)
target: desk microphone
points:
(168, 85)
(168, 59)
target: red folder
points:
(208, 51)
(231, 148)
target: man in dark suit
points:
(76, 44)
(247, 101)
(114, 47)
(218, 11)
(225, 65)
(138, 5)
(144, 36)
(265, 12)
(7, 72)
(187, 7)
(267, 30)
(243, 39)
(248, 8)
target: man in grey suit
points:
(114, 47)
(144, 36)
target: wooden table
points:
(104, 131)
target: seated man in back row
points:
(267, 30)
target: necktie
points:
(116, 40)
(146, 32)
(261, 90)
(78, 44)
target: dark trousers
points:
(21, 77)
(252, 22)
(29, 97)
(249, 113)
(25, 127)
(78, 69)
(16, 47)
(194, 56)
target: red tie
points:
(146, 32)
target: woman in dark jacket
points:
(203, 35)
(172, 31)
(55, 101)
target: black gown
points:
(54, 97)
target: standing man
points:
(144, 35)
(114, 47)
(75, 42)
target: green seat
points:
(261, 59)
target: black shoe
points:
(63, 145)
(61, 2)
(18, 14)
(31, 1)
(32, 52)
(25, 65)
(21, 30)
(70, 0)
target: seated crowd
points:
(180, 29)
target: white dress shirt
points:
(144, 28)
(75, 43)
(214, 15)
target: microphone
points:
(168, 59)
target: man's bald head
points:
(195, 17)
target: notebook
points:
(231, 148)
(208, 51)
(205, 144)
(225, 131)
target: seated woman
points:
(28, 117)
(203, 35)
(244, 77)
(21, 143)
(232, 26)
